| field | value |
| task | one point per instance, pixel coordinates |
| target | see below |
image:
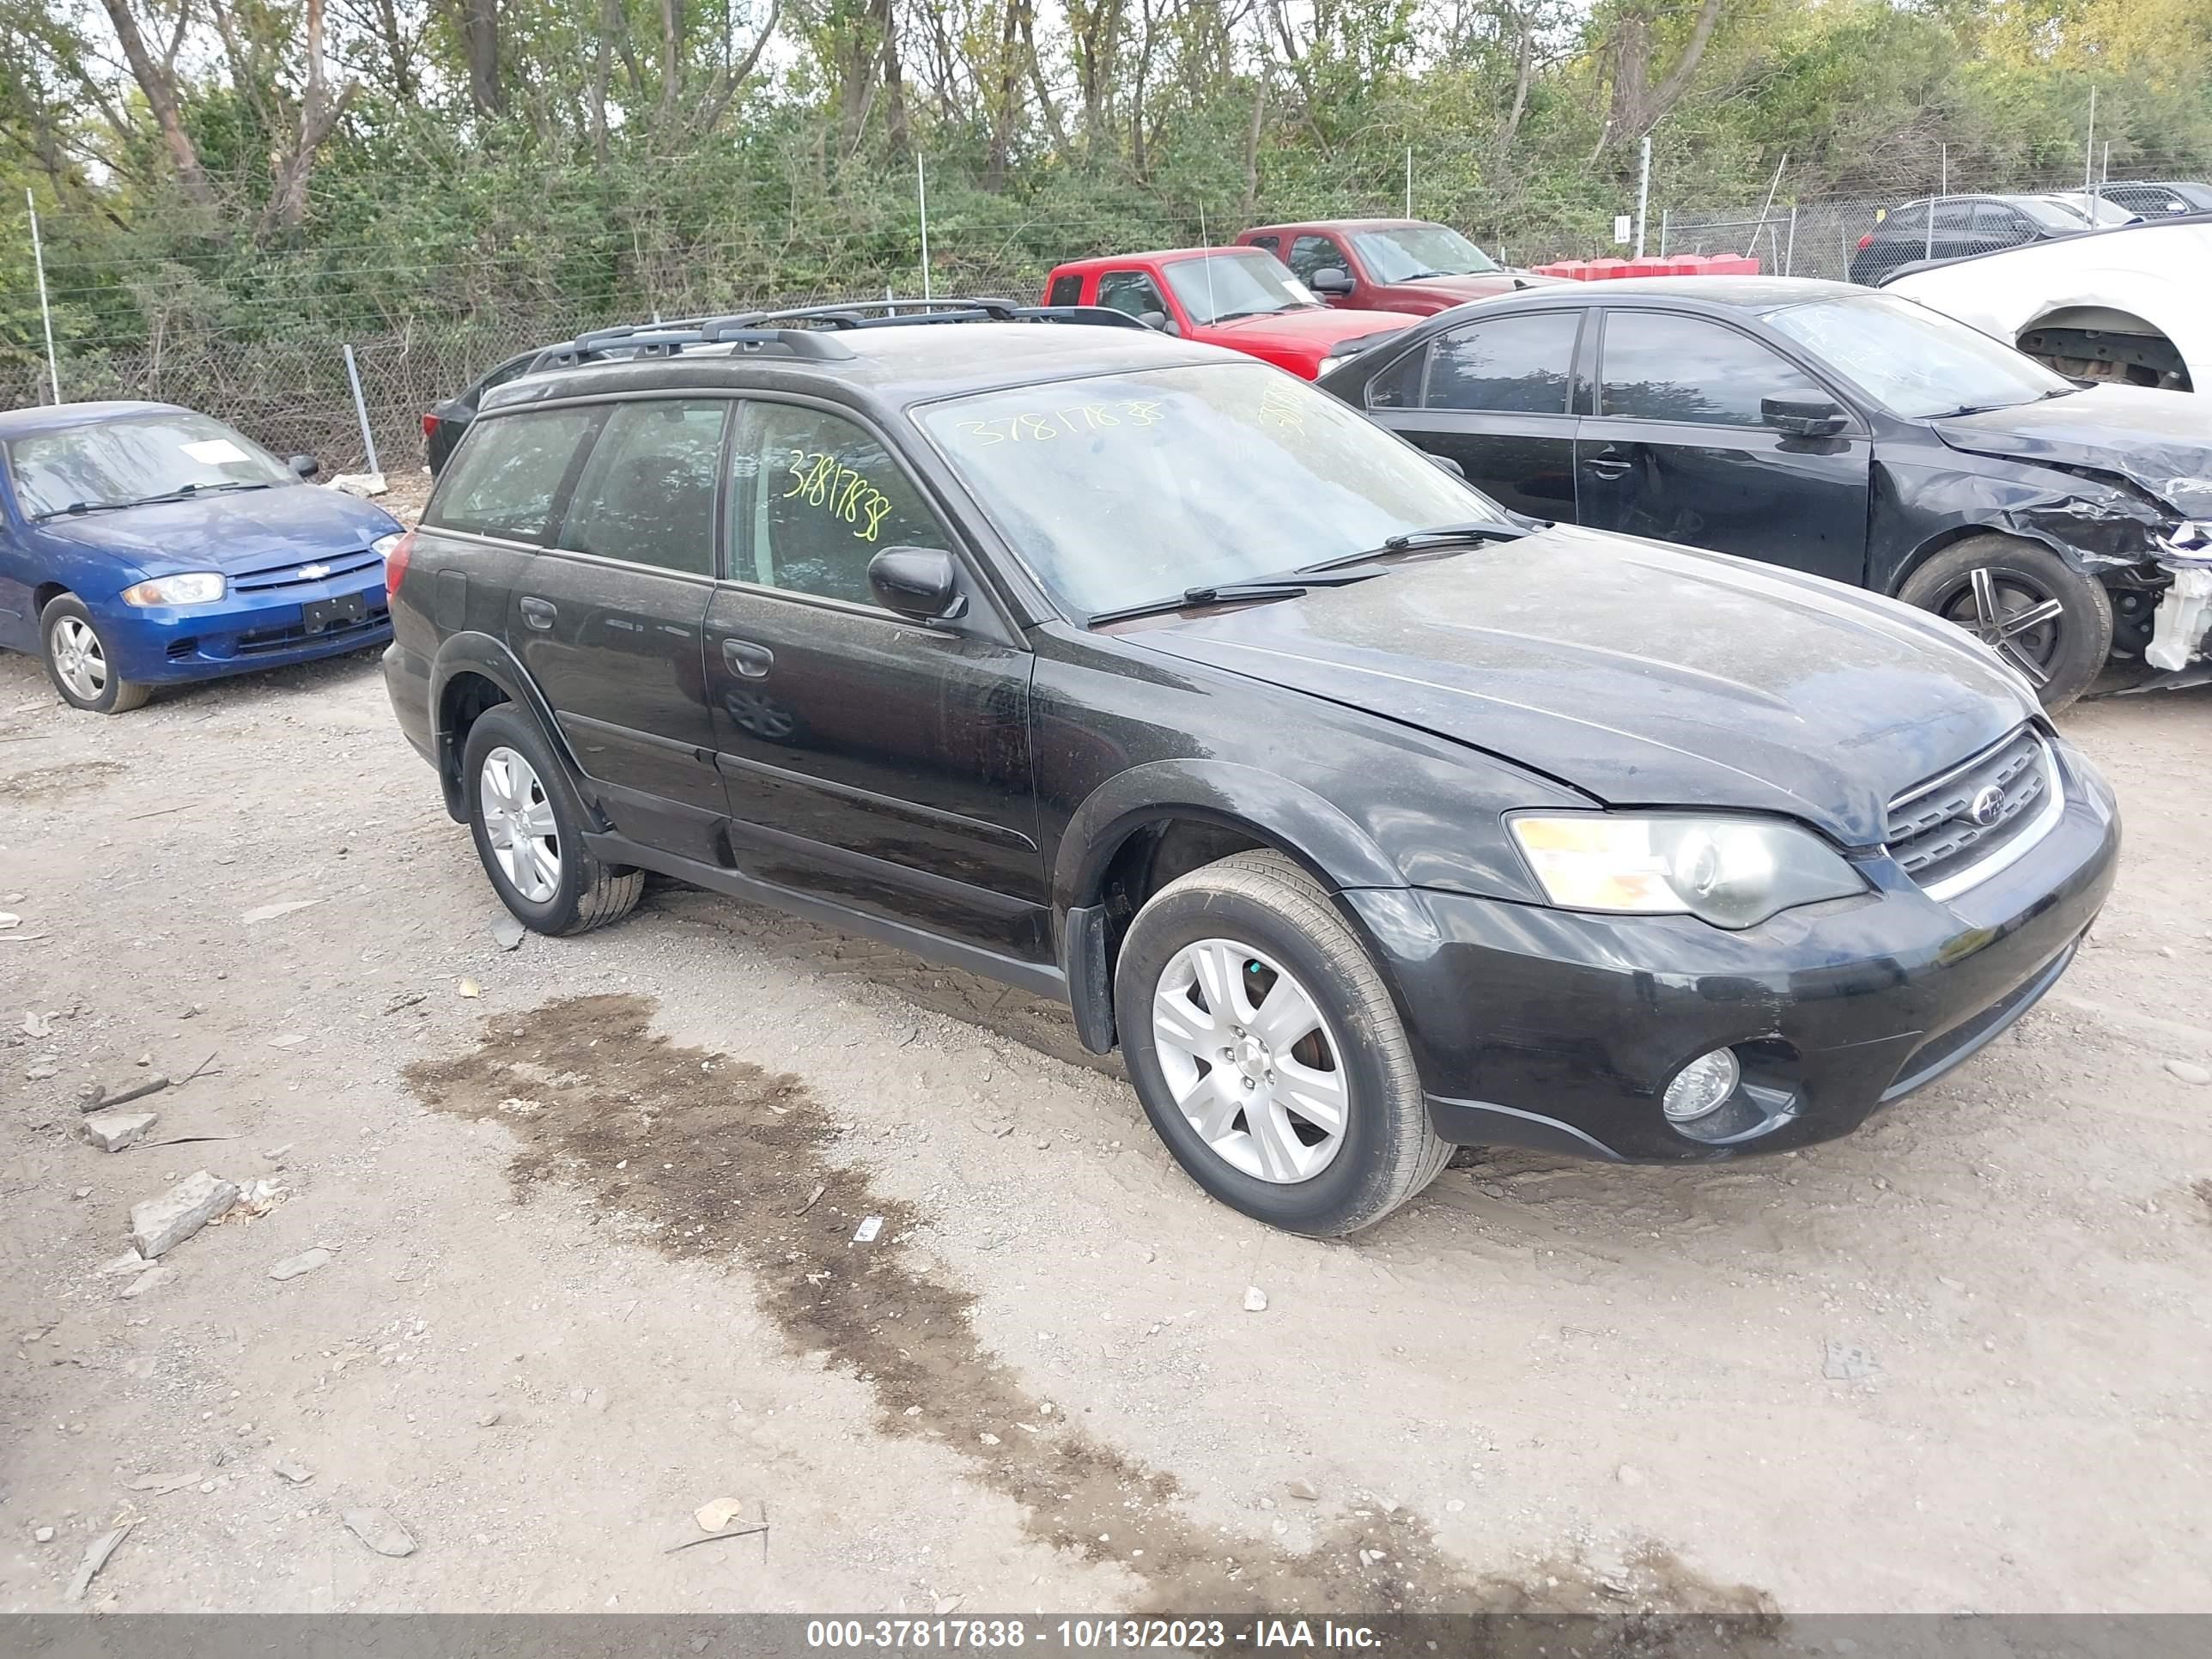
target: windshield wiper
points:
(1253, 311)
(1443, 535)
(192, 491)
(77, 510)
(1258, 588)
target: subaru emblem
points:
(1986, 806)
(313, 572)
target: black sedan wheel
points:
(78, 662)
(1266, 1050)
(2048, 620)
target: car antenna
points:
(1212, 310)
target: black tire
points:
(1264, 901)
(2060, 657)
(586, 893)
(115, 694)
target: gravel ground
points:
(589, 1207)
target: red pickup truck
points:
(1237, 297)
(1388, 264)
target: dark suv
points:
(1365, 817)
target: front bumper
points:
(243, 632)
(1559, 1029)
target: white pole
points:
(921, 196)
(1643, 194)
(2089, 148)
(1767, 206)
(1409, 181)
(1207, 263)
(1790, 254)
(361, 411)
(45, 312)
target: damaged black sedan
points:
(1854, 435)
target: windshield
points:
(1412, 252)
(1129, 488)
(135, 457)
(1912, 361)
(1245, 283)
(2050, 214)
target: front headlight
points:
(1330, 365)
(1731, 871)
(382, 545)
(199, 587)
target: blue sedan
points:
(143, 545)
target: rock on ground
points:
(112, 1131)
(161, 1223)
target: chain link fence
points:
(289, 390)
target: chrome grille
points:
(1940, 831)
(334, 566)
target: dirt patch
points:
(44, 782)
(705, 1157)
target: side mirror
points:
(920, 582)
(1158, 320)
(1445, 464)
(1330, 279)
(304, 466)
(1802, 418)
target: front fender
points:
(1302, 822)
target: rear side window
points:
(1273, 244)
(507, 473)
(648, 494)
(1399, 386)
(824, 497)
(1660, 367)
(1509, 365)
(1065, 290)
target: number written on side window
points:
(1659, 367)
(817, 498)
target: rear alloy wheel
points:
(2022, 600)
(1267, 1052)
(78, 662)
(529, 830)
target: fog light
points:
(1702, 1086)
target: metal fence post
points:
(1662, 231)
(361, 409)
(1790, 253)
(45, 311)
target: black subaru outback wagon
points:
(1365, 817)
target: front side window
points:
(1995, 222)
(1246, 282)
(504, 478)
(1660, 367)
(1312, 253)
(648, 494)
(1406, 253)
(162, 455)
(1511, 365)
(1122, 489)
(1131, 292)
(817, 498)
(1914, 362)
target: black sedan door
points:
(1493, 397)
(875, 762)
(1680, 450)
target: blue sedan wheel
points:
(78, 662)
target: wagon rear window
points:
(507, 473)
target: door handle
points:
(745, 658)
(1606, 466)
(538, 613)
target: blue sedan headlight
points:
(382, 545)
(197, 587)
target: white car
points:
(2126, 304)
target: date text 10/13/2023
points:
(1084, 1635)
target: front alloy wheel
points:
(1250, 1060)
(78, 663)
(2041, 616)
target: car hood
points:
(1315, 329)
(235, 533)
(1441, 293)
(2159, 441)
(1644, 675)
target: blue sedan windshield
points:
(132, 458)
